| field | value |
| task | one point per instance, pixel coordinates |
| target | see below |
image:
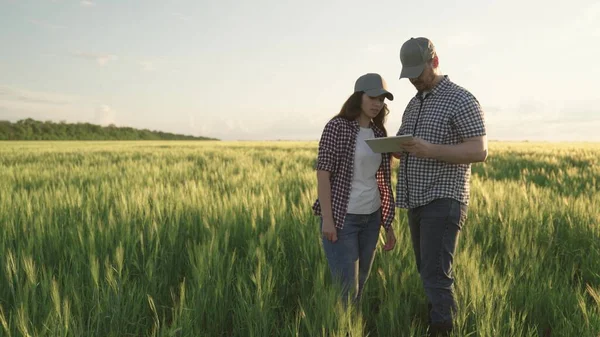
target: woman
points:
(354, 186)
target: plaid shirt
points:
(447, 115)
(336, 155)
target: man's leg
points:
(415, 234)
(414, 224)
(441, 221)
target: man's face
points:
(426, 80)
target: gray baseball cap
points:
(373, 85)
(414, 54)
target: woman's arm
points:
(324, 191)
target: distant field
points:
(218, 239)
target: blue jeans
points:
(434, 230)
(350, 258)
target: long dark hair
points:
(351, 110)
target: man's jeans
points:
(350, 258)
(434, 231)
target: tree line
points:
(30, 129)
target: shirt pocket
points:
(434, 128)
(409, 121)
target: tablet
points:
(388, 144)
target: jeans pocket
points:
(462, 218)
(438, 209)
(378, 217)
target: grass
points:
(218, 239)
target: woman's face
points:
(371, 106)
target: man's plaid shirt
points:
(336, 155)
(447, 115)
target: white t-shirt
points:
(364, 194)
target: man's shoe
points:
(429, 307)
(440, 329)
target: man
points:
(449, 133)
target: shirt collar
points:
(375, 128)
(440, 87)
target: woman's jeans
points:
(351, 256)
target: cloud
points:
(182, 17)
(376, 48)
(530, 106)
(157, 63)
(45, 24)
(236, 125)
(564, 120)
(101, 59)
(591, 15)
(540, 129)
(464, 39)
(223, 127)
(584, 24)
(283, 127)
(105, 115)
(18, 103)
(87, 3)
(147, 65)
(204, 129)
(14, 95)
(491, 109)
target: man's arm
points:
(469, 123)
(471, 150)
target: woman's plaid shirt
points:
(447, 115)
(336, 155)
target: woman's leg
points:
(367, 242)
(342, 257)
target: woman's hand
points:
(390, 240)
(329, 230)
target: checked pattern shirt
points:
(446, 115)
(336, 155)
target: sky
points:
(267, 70)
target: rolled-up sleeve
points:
(327, 157)
(469, 119)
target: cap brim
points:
(412, 72)
(379, 92)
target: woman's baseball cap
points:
(373, 85)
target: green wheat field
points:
(218, 239)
